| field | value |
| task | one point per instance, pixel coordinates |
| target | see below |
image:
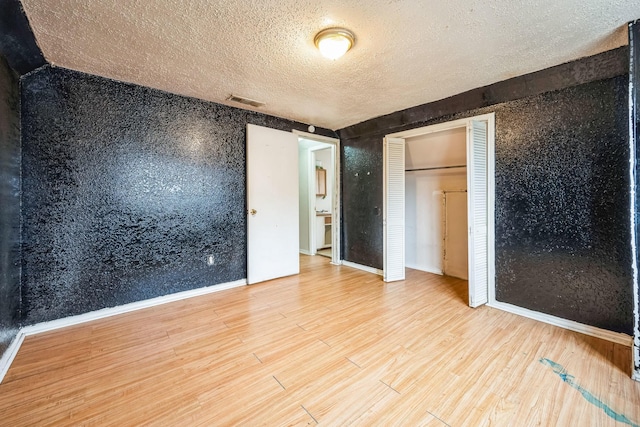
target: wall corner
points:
(634, 131)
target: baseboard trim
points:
(616, 337)
(426, 270)
(10, 354)
(38, 328)
(363, 267)
(305, 252)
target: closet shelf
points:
(435, 168)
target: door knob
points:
(253, 212)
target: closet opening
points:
(436, 203)
(439, 197)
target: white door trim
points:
(336, 255)
(313, 236)
(425, 130)
(466, 123)
(318, 138)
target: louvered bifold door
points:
(393, 219)
(477, 212)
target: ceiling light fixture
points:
(334, 42)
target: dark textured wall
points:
(562, 184)
(362, 201)
(126, 191)
(634, 116)
(606, 65)
(17, 42)
(562, 205)
(9, 204)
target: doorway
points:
(319, 186)
(436, 203)
(274, 161)
(479, 149)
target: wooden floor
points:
(333, 346)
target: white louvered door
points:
(478, 213)
(393, 218)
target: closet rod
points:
(430, 169)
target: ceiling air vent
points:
(246, 101)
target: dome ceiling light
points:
(334, 42)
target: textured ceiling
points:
(407, 52)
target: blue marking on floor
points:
(570, 379)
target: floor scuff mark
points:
(570, 379)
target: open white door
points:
(393, 208)
(478, 212)
(272, 204)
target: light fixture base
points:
(334, 42)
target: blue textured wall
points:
(562, 189)
(9, 204)
(126, 191)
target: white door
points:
(393, 209)
(272, 204)
(478, 213)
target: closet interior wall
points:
(436, 174)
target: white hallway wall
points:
(306, 174)
(303, 169)
(324, 157)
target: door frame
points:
(313, 236)
(466, 123)
(336, 253)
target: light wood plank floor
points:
(333, 346)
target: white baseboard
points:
(305, 252)
(425, 269)
(38, 328)
(363, 268)
(10, 354)
(458, 274)
(604, 334)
